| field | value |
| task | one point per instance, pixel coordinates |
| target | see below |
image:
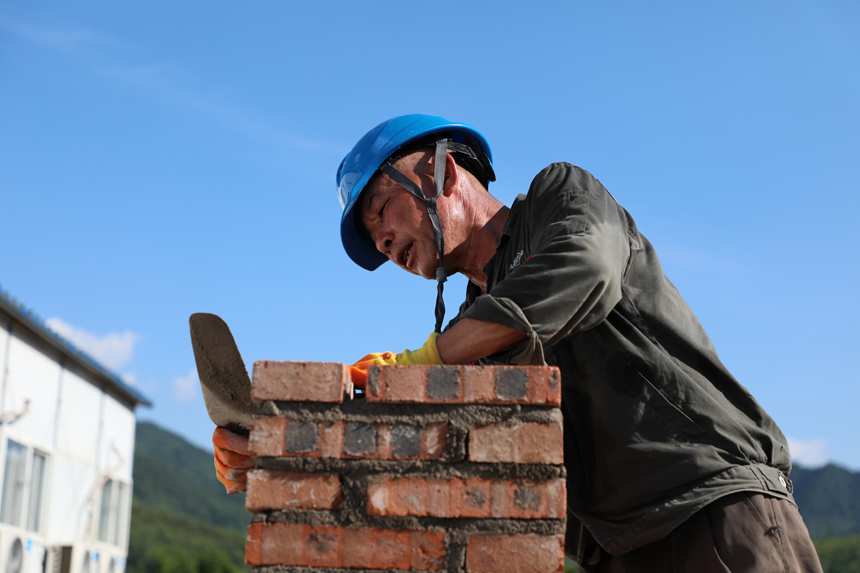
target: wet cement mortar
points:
(357, 473)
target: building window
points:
(122, 516)
(14, 473)
(105, 513)
(113, 513)
(37, 489)
(15, 486)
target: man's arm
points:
(471, 339)
(576, 247)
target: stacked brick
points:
(434, 468)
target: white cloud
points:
(809, 453)
(186, 388)
(114, 349)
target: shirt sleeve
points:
(577, 247)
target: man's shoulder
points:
(561, 175)
(556, 185)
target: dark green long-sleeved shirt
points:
(655, 426)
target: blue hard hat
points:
(378, 144)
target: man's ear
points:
(452, 176)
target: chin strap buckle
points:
(441, 275)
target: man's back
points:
(657, 426)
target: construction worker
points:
(672, 465)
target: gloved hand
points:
(232, 461)
(427, 354)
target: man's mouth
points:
(406, 255)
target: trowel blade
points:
(223, 376)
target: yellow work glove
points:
(427, 354)
(232, 461)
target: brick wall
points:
(435, 468)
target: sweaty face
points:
(398, 224)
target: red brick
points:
(323, 546)
(470, 497)
(360, 441)
(525, 443)
(331, 439)
(499, 499)
(405, 384)
(435, 440)
(428, 550)
(302, 439)
(525, 499)
(544, 386)
(556, 499)
(292, 490)
(383, 443)
(438, 498)
(298, 381)
(511, 384)
(391, 549)
(478, 384)
(465, 384)
(404, 496)
(325, 439)
(355, 548)
(515, 554)
(358, 547)
(442, 384)
(378, 495)
(373, 548)
(267, 437)
(253, 544)
(396, 384)
(276, 544)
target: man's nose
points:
(384, 240)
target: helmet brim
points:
(360, 250)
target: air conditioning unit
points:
(84, 560)
(110, 563)
(60, 559)
(75, 558)
(13, 553)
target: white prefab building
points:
(66, 450)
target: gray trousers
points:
(742, 532)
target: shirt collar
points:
(507, 230)
(514, 215)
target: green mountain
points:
(828, 499)
(173, 475)
(164, 542)
(182, 521)
(839, 554)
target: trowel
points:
(223, 376)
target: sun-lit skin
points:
(472, 222)
(398, 223)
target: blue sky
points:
(161, 158)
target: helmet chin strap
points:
(432, 210)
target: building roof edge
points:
(35, 324)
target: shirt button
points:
(782, 481)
